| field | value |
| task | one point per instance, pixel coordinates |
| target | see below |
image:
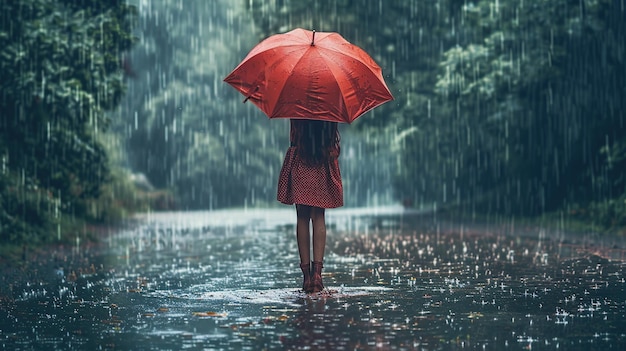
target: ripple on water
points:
(234, 285)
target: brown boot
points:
(306, 272)
(316, 279)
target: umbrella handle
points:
(313, 39)
(250, 95)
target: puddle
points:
(229, 280)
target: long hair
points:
(317, 141)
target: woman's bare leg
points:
(319, 233)
(319, 244)
(303, 213)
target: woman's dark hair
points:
(317, 140)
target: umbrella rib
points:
(252, 56)
(283, 82)
(384, 95)
(286, 80)
(347, 49)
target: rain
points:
(485, 205)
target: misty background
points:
(501, 107)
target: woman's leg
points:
(319, 244)
(319, 233)
(303, 213)
(304, 246)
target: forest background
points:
(502, 108)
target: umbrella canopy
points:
(310, 75)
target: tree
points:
(541, 95)
(59, 71)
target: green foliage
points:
(59, 72)
(608, 215)
(541, 93)
(26, 211)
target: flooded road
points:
(228, 280)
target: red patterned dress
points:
(302, 184)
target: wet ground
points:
(228, 280)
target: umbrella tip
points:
(313, 39)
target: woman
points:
(311, 180)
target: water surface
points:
(396, 281)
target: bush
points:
(27, 212)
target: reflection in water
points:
(312, 325)
(229, 280)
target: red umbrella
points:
(310, 75)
